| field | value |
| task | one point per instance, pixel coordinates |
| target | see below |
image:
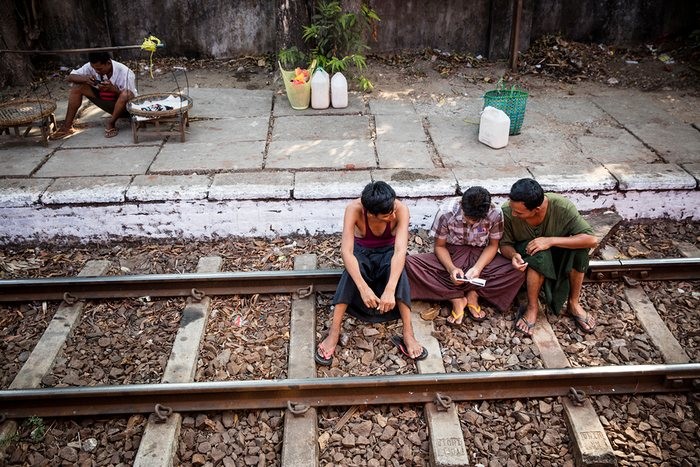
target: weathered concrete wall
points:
(225, 28)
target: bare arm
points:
(443, 255)
(353, 211)
(486, 256)
(388, 300)
(573, 242)
(515, 258)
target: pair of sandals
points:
(584, 323)
(472, 313)
(327, 360)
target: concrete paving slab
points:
(418, 183)
(229, 103)
(398, 155)
(21, 160)
(355, 106)
(539, 146)
(632, 109)
(497, 182)
(321, 154)
(651, 177)
(563, 111)
(98, 161)
(321, 127)
(675, 143)
(614, 145)
(192, 157)
(94, 137)
(329, 185)
(87, 190)
(168, 187)
(226, 131)
(693, 169)
(252, 185)
(400, 128)
(457, 143)
(581, 176)
(15, 192)
(391, 107)
(452, 107)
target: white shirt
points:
(122, 77)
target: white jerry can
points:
(494, 127)
(320, 89)
(339, 91)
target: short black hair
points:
(99, 57)
(476, 202)
(528, 192)
(378, 198)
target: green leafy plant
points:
(339, 38)
(291, 58)
(37, 428)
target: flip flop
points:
(584, 324)
(321, 360)
(401, 345)
(111, 132)
(477, 309)
(60, 134)
(521, 317)
(456, 317)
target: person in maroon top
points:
(374, 286)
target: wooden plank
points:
(300, 439)
(62, 324)
(447, 447)
(160, 438)
(663, 338)
(581, 420)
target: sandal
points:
(60, 134)
(111, 132)
(585, 324)
(476, 309)
(521, 317)
(456, 318)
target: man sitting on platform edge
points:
(374, 286)
(545, 234)
(106, 83)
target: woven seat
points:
(24, 112)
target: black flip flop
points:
(582, 322)
(322, 361)
(401, 345)
(521, 316)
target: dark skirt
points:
(429, 280)
(375, 267)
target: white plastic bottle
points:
(320, 89)
(339, 91)
(494, 127)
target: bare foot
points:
(327, 347)
(413, 348)
(526, 321)
(585, 321)
(457, 314)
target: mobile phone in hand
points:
(476, 281)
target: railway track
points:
(302, 393)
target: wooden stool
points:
(27, 112)
(140, 119)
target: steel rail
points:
(312, 392)
(288, 281)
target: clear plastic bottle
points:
(339, 91)
(320, 89)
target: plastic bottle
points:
(339, 91)
(494, 127)
(320, 89)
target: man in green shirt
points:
(545, 235)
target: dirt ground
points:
(551, 65)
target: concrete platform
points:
(252, 165)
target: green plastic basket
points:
(512, 102)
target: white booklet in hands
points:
(475, 281)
